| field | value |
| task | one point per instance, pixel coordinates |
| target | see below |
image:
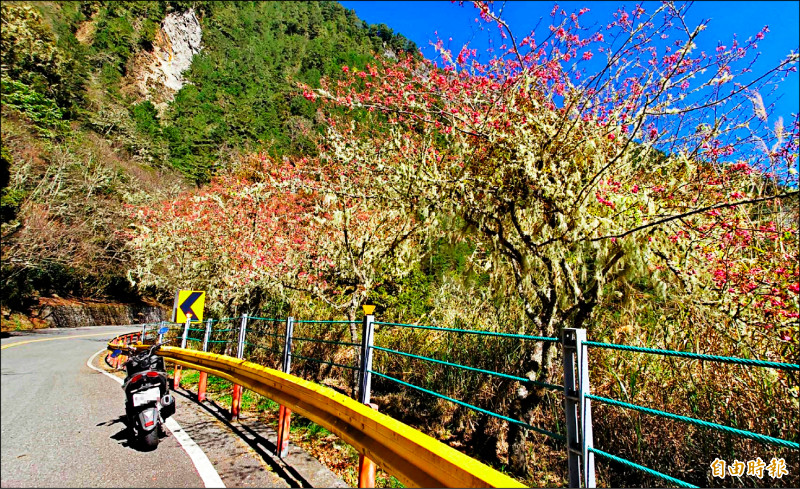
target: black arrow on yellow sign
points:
(186, 305)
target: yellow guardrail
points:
(415, 458)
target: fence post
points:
(176, 375)
(201, 385)
(236, 398)
(366, 467)
(587, 437)
(287, 345)
(242, 333)
(577, 406)
(285, 414)
(571, 400)
(207, 335)
(365, 382)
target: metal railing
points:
(415, 458)
(578, 438)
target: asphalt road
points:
(62, 421)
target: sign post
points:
(176, 376)
(188, 307)
(201, 387)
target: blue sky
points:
(419, 20)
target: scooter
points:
(148, 402)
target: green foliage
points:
(43, 111)
(146, 118)
(121, 30)
(5, 166)
(115, 38)
(32, 57)
(449, 257)
(267, 404)
(18, 289)
(148, 34)
(28, 46)
(10, 200)
(243, 93)
(408, 297)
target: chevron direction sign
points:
(189, 303)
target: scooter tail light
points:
(136, 378)
(148, 424)
(152, 374)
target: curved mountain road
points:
(62, 427)
(61, 420)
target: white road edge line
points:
(201, 462)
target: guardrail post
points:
(201, 385)
(285, 414)
(236, 398)
(365, 382)
(176, 373)
(587, 437)
(571, 400)
(366, 467)
(578, 407)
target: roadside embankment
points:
(57, 312)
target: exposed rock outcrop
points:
(64, 313)
(158, 74)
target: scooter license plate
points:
(144, 397)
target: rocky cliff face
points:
(62, 313)
(158, 74)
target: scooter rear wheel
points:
(150, 440)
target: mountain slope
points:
(81, 141)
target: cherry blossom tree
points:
(577, 176)
(272, 229)
(581, 162)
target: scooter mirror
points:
(116, 353)
(163, 330)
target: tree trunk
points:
(537, 367)
(517, 435)
(351, 316)
(484, 439)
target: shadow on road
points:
(262, 446)
(122, 436)
(125, 436)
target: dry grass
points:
(754, 399)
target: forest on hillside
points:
(70, 117)
(314, 163)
